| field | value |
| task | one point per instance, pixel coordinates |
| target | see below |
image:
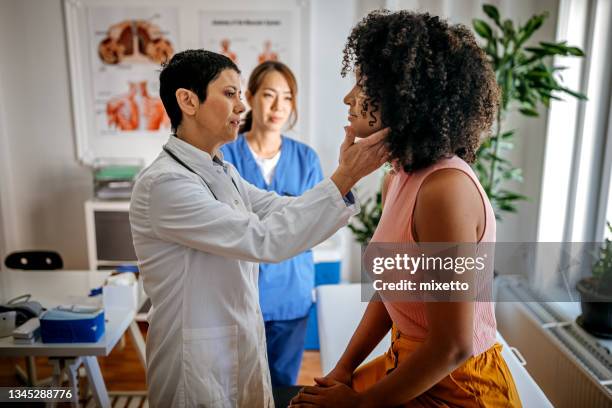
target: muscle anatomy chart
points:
(136, 110)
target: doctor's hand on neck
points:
(357, 160)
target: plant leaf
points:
(575, 51)
(491, 11)
(507, 207)
(574, 93)
(483, 29)
(508, 29)
(529, 112)
(532, 25)
(491, 49)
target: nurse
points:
(272, 161)
(199, 231)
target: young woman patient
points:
(431, 84)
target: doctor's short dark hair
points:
(432, 83)
(193, 70)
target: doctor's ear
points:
(187, 100)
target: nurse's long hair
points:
(256, 79)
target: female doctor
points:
(199, 230)
(274, 162)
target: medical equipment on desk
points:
(28, 332)
(16, 312)
(72, 324)
(7, 323)
(119, 291)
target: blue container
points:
(60, 326)
(327, 273)
(312, 331)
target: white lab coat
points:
(197, 256)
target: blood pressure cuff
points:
(26, 309)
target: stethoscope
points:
(185, 165)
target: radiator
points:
(570, 366)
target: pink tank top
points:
(396, 226)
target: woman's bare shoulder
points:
(448, 206)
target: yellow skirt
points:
(482, 381)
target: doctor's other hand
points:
(329, 393)
(357, 160)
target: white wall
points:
(43, 187)
(331, 24)
(4, 169)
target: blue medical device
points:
(65, 326)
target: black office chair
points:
(33, 260)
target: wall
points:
(43, 188)
(4, 165)
(331, 25)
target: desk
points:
(52, 288)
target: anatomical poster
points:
(127, 47)
(249, 37)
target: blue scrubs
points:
(285, 289)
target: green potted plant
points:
(527, 79)
(596, 293)
(364, 224)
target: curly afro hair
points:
(433, 84)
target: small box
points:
(120, 297)
(62, 326)
(28, 332)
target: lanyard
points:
(182, 163)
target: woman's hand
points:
(339, 374)
(329, 393)
(357, 160)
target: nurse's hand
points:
(330, 393)
(357, 160)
